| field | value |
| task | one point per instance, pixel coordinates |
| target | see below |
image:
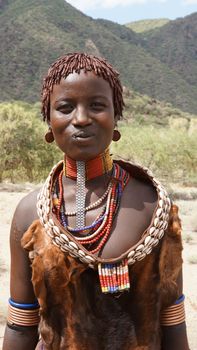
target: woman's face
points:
(82, 115)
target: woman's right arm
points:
(21, 289)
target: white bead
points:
(161, 233)
(159, 212)
(131, 261)
(73, 245)
(156, 241)
(57, 240)
(156, 222)
(148, 250)
(161, 203)
(56, 230)
(64, 237)
(89, 258)
(137, 254)
(51, 223)
(147, 240)
(165, 225)
(152, 230)
(140, 247)
(64, 249)
(156, 232)
(142, 256)
(81, 253)
(131, 253)
(73, 254)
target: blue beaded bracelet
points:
(180, 299)
(23, 306)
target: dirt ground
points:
(188, 210)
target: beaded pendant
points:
(114, 277)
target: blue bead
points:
(23, 306)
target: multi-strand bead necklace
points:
(98, 232)
(113, 277)
(113, 273)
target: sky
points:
(125, 11)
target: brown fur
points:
(76, 315)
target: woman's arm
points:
(21, 289)
(175, 337)
(20, 338)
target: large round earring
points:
(116, 136)
(49, 138)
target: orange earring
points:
(116, 136)
(49, 138)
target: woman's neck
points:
(100, 165)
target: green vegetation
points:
(24, 154)
(175, 45)
(34, 33)
(169, 151)
(147, 24)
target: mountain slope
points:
(175, 44)
(147, 24)
(34, 33)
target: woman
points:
(103, 238)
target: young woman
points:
(104, 239)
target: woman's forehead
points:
(83, 82)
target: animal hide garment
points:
(75, 314)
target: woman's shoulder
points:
(25, 213)
(142, 182)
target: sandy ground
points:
(188, 209)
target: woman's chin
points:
(83, 155)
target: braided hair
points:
(75, 62)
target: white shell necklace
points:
(69, 244)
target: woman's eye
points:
(66, 109)
(97, 105)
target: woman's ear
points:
(116, 133)
(49, 138)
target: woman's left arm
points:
(175, 336)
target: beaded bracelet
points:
(23, 314)
(174, 314)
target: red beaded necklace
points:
(99, 231)
(100, 165)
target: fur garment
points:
(75, 314)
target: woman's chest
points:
(134, 214)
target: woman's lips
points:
(81, 135)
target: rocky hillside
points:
(35, 32)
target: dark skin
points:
(82, 120)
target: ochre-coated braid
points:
(75, 62)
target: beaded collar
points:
(68, 244)
(100, 165)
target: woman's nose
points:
(81, 117)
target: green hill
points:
(175, 45)
(35, 32)
(147, 24)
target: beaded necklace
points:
(113, 278)
(100, 165)
(113, 273)
(98, 232)
(82, 171)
